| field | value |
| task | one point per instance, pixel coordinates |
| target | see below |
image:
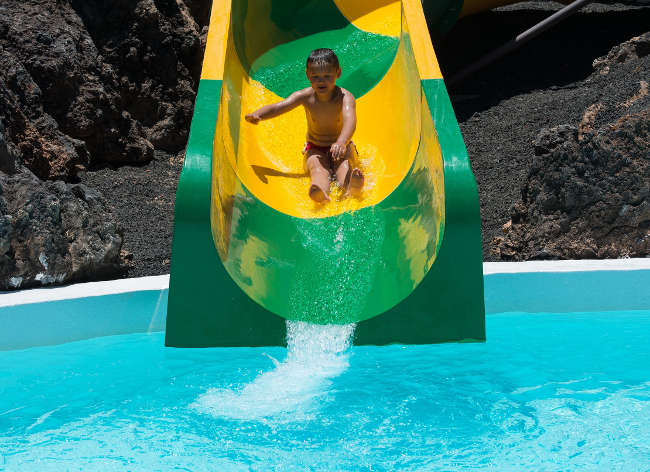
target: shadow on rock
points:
(559, 57)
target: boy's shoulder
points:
(304, 93)
(346, 93)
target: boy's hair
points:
(323, 57)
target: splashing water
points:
(345, 254)
(297, 386)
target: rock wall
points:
(85, 84)
(90, 82)
(54, 232)
(587, 194)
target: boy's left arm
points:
(349, 113)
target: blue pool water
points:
(547, 392)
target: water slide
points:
(251, 250)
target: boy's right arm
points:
(275, 109)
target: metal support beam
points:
(519, 40)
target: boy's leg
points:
(318, 167)
(348, 178)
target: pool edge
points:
(93, 309)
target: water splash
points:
(345, 253)
(296, 386)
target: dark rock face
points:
(86, 83)
(547, 83)
(8, 155)
(633, 49)
(53, 232)
(587, 194)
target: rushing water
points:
(296, 386)
(547, 392)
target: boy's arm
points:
(275, 109)
(349, 115)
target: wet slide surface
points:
(330, 254)
(353, 258)
(265, 63)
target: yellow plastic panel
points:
(224, 184)
(415, 231)
(215, 48)
(374, 16)
(421, 41)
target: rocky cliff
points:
(96, 98)
(85, 85)
(587, 193)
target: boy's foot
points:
(356, 183)
(316, 193)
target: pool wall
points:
(58, 315)
(47, 316)
(567, 286)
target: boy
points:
(331, 121)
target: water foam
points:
(297, 386)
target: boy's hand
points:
(253, 118)
(338, 150)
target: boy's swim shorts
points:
(309, 145)
(325, 150)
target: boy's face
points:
(323, 79)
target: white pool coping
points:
(139, 305)
(586, 265)
(83, 290)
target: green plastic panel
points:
(294, 29)
(448, 305)
(206, 308)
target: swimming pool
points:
(564, 386)
(546, 392)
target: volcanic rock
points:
(95, 82)
(53, 232)
(506, 111)
(587, 194)
(635, 48)
(8, 155)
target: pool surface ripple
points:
(549, 392)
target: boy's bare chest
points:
(325, 111)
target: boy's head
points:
(323, 69)
(322, 58)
